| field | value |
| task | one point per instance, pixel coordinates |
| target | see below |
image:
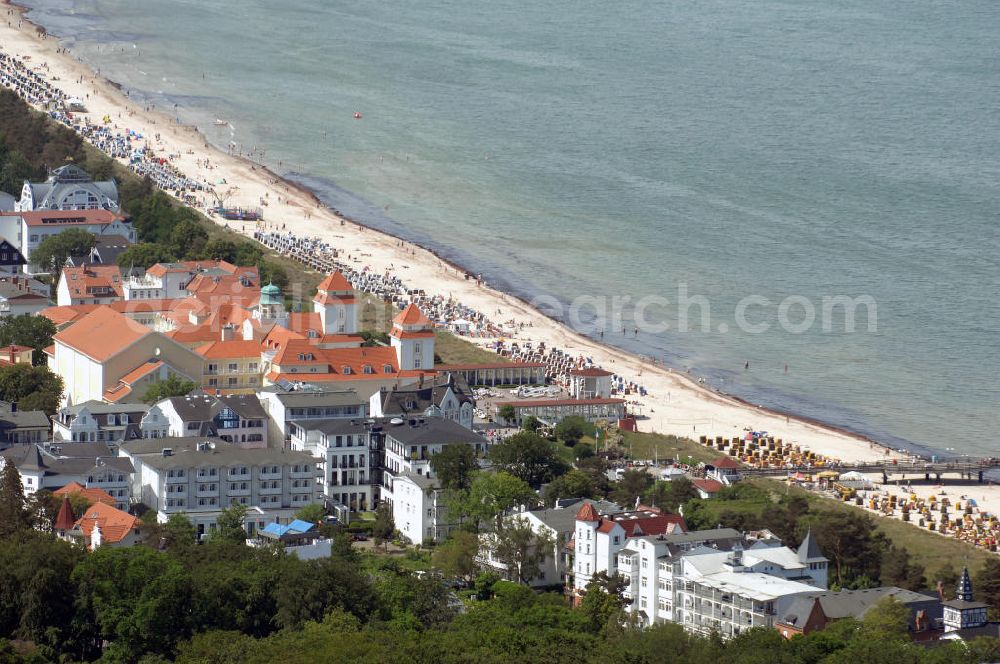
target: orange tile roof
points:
(81, 281)
(587, 513)
(326, 298)
(50, 350)
(114, 523)
(333, 360)
(65, 519)
(336, 283)
(94, 495)
(407, 334)
(218, 350)
(67, 314)
(102, 334)
(141, 371)
(66, 217)
(412, 315)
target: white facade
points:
(33, 235)
(99, 422)
(344, 459)
(417, 510)
(201, 482)
(706, 589)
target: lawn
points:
(929, 549)
(455, 350)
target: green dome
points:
(270, 294)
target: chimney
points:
(13, 406)
(228, 332)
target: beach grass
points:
(455, 350)
(935, 552)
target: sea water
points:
(687, 149)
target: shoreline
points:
(681, 380)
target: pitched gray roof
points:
(33, 458)
(157, 445)
(809, 549)
(850, 603)
(6, 202)
(224, 454)
(203, 407)
(422, 481)
(411, 400)
(563, 519)
(415, 431)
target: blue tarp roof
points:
(295, 527)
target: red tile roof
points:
(643, 522)
(115, 525)
(412, 315)
(102, 334)
(559, 402)
(83, 281)
(591, 372)
(708, 486)
(219, 350)
(67, 217)
(94, 495)
(489, 365)
(65, 519)
(587, 513)
(336, 283)
(725, 462)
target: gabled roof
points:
(237, 348)
(725, 462)
(102, 334)
(65, 519)
(114, 523)
(587, 513)
(412, 316)
(93, 495)
(708, 486)
(590, 372)
(336, 283)
(69, 217)
(809, 549)
(82, 281)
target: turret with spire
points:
(964, 612)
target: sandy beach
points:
(674, 403)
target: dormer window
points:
(387, 368)
(347, 370)
(368, 369)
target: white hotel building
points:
(199, 477)
(691, 579)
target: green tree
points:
(528, 456)
(221, 249)
(312, 513)
(272, 273)
(454, 465)
(571, 429)
(670, 495)
(384, 527)
(631, 486)
(188, 239)
(231, 524)
(14, 516)
(457, 556)
(145, 255)
(574, 484)
(603, 603)
(531, 423)
(51, 253)
(899, 569)
(33, 388)
(507, 412)
(26, 330)
(987, 585)
(135, 598)
(178, 533)
(493, 494)
(520, 550)
(172, 386)
(851, 542)
(888, 620)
